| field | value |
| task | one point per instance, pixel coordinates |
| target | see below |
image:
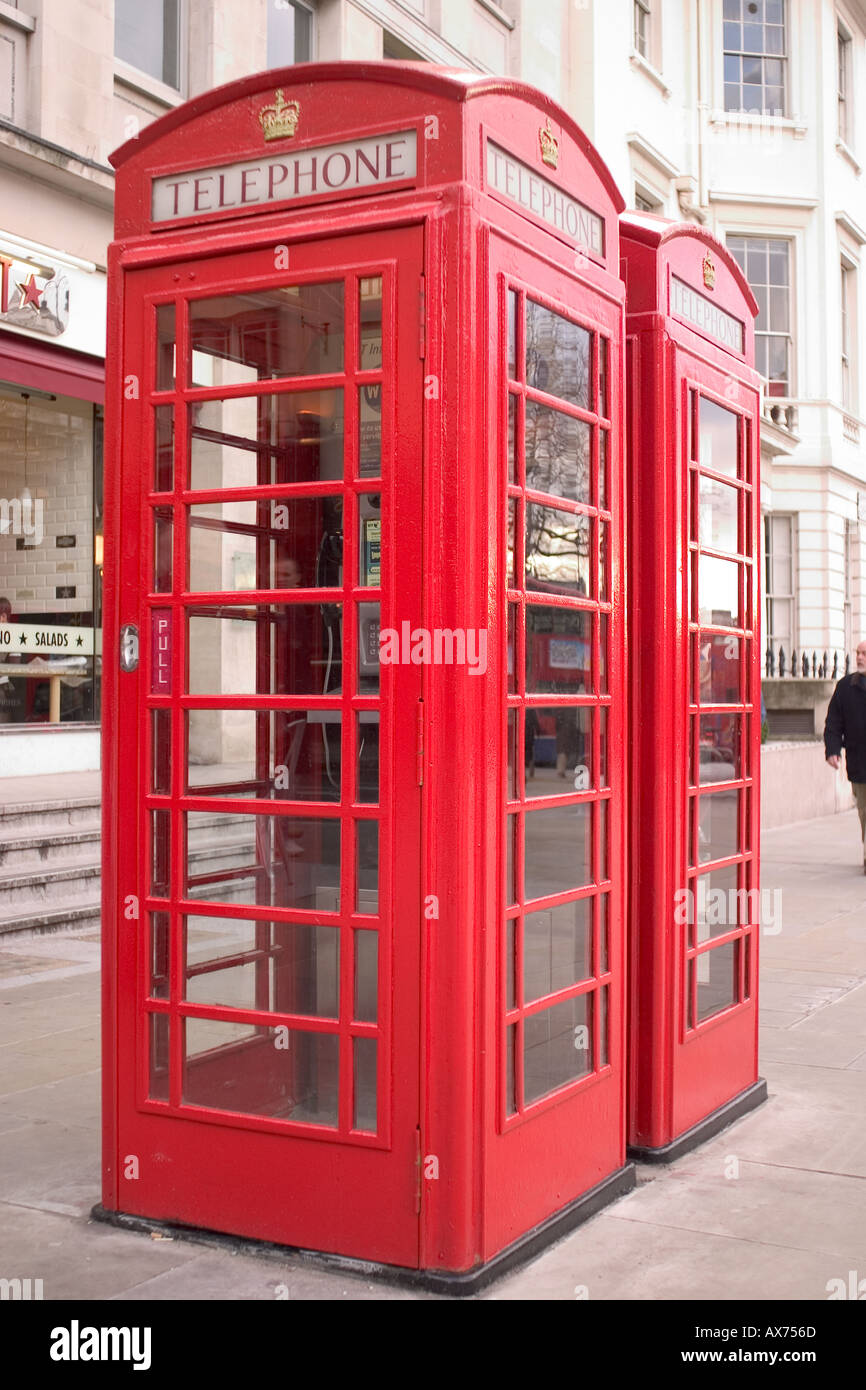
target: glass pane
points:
(510, 1046)
(603, 562)
(510, 860)
(717, 826)
(511, 314)
(283, 1073)
(510, 963)
(282, 967)
(557, 356)
(603, 871)
(293, 331)
(718, 437)
(557, 856)
(163, 470)
(717, 979)
(718, 592)
(367, 889)
(557, 948)
(562, 741)
(604, 1050)
(368, 756)
(603, 663)
(717, 906)
(160, 860)
(557, 1047)
(509, 543)
(717, 527)
(370, 539)
(557, 551)
(285, 649)
(719, 670)
(273, 860)
(159, 954)
(602, 748)
(557, 453)
(368, 648)
(159, 1055)
(512, 439)
(366, 976)
(365, 1084)
(163, 535)
(370, 328)
(282, 755)
(259, 441)
(720, 748)
(603, 486)
(283, 543)
(370, 430)
(160, 781)
(511, 649)
(603, 910)
(511, 756)
(603, 350)
(165, 348)
(557, 650)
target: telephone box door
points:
(268, 845)
(718, 919)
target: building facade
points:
(745, 116)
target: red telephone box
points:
(695, 683)
(364, 782)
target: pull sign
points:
(160, 652)
(129, 647)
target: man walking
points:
(845, 727)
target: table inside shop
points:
(53, 672)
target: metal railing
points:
(803, 665)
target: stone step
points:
(48, 817)
(48, 887)
(44, 919)
(21, 852)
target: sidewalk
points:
(793, 1219)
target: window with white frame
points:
(290, 33)
(779, 587)
(644, 203)
(847, 585)
(642, 26)
(848, 332)
(843, 85)
(147, 35)
(766, 264)
(755, 55)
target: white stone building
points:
(744, 115)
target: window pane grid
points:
(559, 578)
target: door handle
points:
(129, 647)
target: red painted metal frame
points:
(466, 1181)
(679, 1073)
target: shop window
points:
(148, 37)
(290, 33)
(755, 56)
(50, 557)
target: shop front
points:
(52, 339)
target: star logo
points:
(22, 640)
(30, 293)
(79, 641)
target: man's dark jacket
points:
(846, 725)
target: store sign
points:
(706, 316)
(45, 293)
(376, 160)
(39, 639)
(33, 296)
(538, 195)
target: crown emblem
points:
(280, 120)
(709, 271)
(549, 145)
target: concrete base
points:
(433, 1280)
(797, 785)
(707, 1128)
